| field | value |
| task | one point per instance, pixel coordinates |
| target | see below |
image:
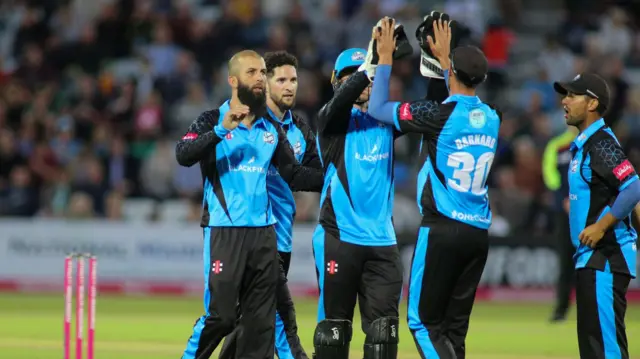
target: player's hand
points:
(234, 116)
(385, 40)
(441, 45)
(591, 235)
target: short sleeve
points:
(610, 163)
(427, 117)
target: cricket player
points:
(355, 244)
(236, 145)
(282, 87)
(555, 171)
(603, 191)
(459, 143)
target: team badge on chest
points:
(268, 138)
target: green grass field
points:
(138, 327)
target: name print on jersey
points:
(475, 140)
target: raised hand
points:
(385, 39)
(234, 116)
(441, 45)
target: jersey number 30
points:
(469, 174)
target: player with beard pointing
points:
(282, 80)
(236, 145)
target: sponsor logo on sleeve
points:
(405, 112)
(623, 170)
(190, 136)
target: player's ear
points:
(233, 81)
(593, 104)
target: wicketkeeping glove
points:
(429, 64)
(369, 66)
(403, 49)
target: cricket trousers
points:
(346, 272)
(447, 264)
(240, 266)
(287, 342)
(601, 302)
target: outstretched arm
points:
(387, 111)
(334, 116)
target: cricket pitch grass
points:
(158, 328)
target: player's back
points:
(452, 181)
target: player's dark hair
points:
(277, 59)
(470, 65)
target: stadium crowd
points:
(94, 95)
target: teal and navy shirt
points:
(234, 168)
(460, 137)
(598, 172)
(459, 141)
(283, 205)
(356, 204)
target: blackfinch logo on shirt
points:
(623, 170)
(373, 156)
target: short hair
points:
(470, 65)
(232, 65)
(277, 59)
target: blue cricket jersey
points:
(460, 138)
(598, 172)
(234, 167)
(357, 154)
(283, 204)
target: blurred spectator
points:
(173, 86)
(9, 157)
(88, 177)
(157, 171)
(470, 14)
(557, 61)
(614, 37)
(115, 201)
(81, 206)
(619, 87)
(33, 30)
(189, 108)
(20, 197)
(58, 196)
(33, 70)
(539, 86)
(496, 45)
(162, 53)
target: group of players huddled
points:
(253, 152)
